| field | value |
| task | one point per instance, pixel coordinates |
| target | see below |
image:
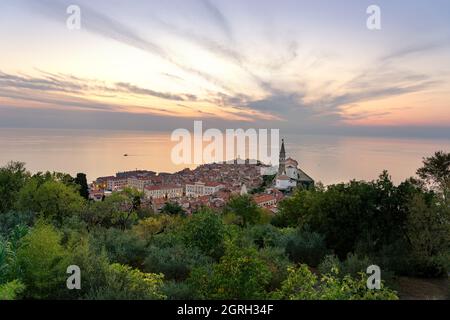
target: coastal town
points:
(210, 185)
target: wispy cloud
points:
(218, 17)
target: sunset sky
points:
(296, 65)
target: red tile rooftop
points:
(159, 201)
(263, 198)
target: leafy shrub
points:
(122, 246)
(94, 266)
(240, 274)
(306, 247)
(245, 209)
(265, 235)
(150, 227)
(329, 263)
(42, 262)
(205, 231)
(174, 262)
(302, 284)
(11, 290)
(125, 283)
(178, 290)
(277, 262)
(11, 219)
(352, 266)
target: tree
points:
(50, 199)
(306, 247)
(94, 265)
(117, 210)
(81, 181)
(292, 210)
(150, 227)
(245, 208)
(358, 214)
(175, 262)
(436, 172)
(240, 274)
(428, 230)
(13, 176)
(302, 284)
(126, 283)
(206, 231)
(42, 262)
(12, 219)
(122, 246)
(172, 208)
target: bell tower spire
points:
(282, 160)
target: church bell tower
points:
(282, 160)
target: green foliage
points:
(81, 181)
(174, 262)
(148, 228)
(12, 219)
(6, 259)
(352, 266)
(436, 172)
(8, 253)
(277, 262)
(240, 274)
(122, 246)
(11, 290)
(235, 254)
(373, 213)
(206, 231)
(293, 210)
(12, 178)
(126, 283)
(302, 284)
(266, 235)
(50, 199)
(428, 229)
(93, 264)
(178, 290)
(306, 247)
(244, 208)
(299, 285)
(120, 210)
(42, 262)
(172, 208)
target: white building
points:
(283, 182)
(244, 190)
(164, 191)
(200, 189)
(289, 175)
(116, 184)
(138, 183)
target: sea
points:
(328, 159)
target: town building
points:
(163, 191)
(139, 183)
(265, 200)
(200, 189)
(116, 184)
(289, 174)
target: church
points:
(289, 174)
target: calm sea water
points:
(329, 159)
